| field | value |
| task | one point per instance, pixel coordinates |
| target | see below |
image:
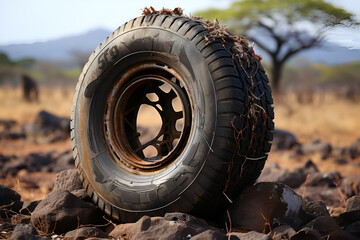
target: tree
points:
(286, 27)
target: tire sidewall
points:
(126, 191)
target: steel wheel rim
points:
(121, 135)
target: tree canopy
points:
(282, 28)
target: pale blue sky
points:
(28, 21)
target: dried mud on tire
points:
(227, 119)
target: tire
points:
(200, 165)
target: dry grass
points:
(54, 100)
(333, 120)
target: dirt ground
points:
(332, 120)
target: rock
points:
(324, 225)
(341, 161)
(331, 196)
(316, 146)
(172, 226)
(23, 236)
(68, 180)
(43, 180)
(210, 235)
(9, 202)
(283, 232)
(12, 167)
(62, 211)
(292, 179)
(353, 229)
(306, 233)
(33, 162)
(28, 207)
(39, 162)
(81, 194)
(275, 204)
(85, 233)
(350, 185)
(353, 204)
(340, 234)
(8, 196)
(308, 168)
(20, 218)
(25, 232)
(347, 218)
(7, 124)
(331, 179)
(354, 149)
(318, 208)
(47, 128)
(11, 135)
(283, 140)
(64, 161)
(250, 236)
(25, 229)
(7, 132)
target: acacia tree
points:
(282, 28)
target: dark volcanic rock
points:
(283, 140)
(47, 128)
(283, 232)
(28, 207)
(353, 204)
(348, 218)
(318, 208)
(85, 233)
(331, 196)
(33, 162)
(350, 185)
(24, 232)
(306, 233)
(324, 225)
(64, 161)
(291, 179)
(81, 194)
(317, 146)
(354, 149)
(39, 162)
(172, 226)
(331, 179)
(210, 235)
(354, 229)
(268, 204)
(25, 229)
(68, 180)
(62, 211)
(308, 168)
(249, 236)
(8, 196)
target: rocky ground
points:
(302, 202)
(267, 210)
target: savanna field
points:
(331, 119)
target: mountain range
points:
(64, 49)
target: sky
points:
(29, 21)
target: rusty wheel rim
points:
(158, 87)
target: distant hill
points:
(60, 49)
(63, 49)
(329, 53)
